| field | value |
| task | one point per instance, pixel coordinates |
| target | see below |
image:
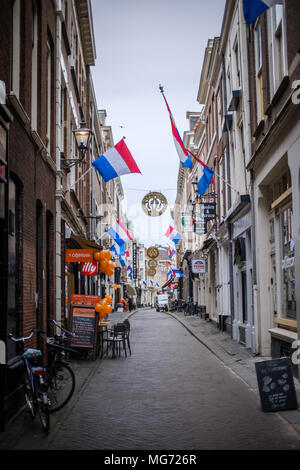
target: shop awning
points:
(81, 242)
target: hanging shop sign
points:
(187, 223)
(152, 252)
(199, 266)
(151, 272)
(152, 263)
(134, 261)
(79, 256)
(200, 227)
(207, 211)
(90, 268)
(154, 204)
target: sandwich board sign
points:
(276, 385)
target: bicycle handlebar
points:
(62, 329)
(24, 338)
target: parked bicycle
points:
(34, 383)
(188, 308)
(59, 375)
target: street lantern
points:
(83, 137)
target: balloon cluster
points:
(115, 286)
(104, 306)
(106, 265)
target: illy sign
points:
(89, 269)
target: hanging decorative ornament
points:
(154, 204)
(152, 263)
(151, 272)
(152, 252)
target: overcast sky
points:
(141, 44)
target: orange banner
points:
(85, 299)
(76, 256)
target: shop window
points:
(287, 263)
(239, 251)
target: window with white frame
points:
(258, 73)
(237, 74)
(276, 42)
(219, 114)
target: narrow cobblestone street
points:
(171, 393)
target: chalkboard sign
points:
(84, 323)
(276, 385)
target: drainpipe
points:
(59, 195)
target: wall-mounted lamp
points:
(83, 137)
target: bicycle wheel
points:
(61, 385)
(42, 405)
(29, 395)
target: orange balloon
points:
(109, 299)
(97, 256)
(109, 273)
(103, 302)
(106, 254)
(111, 265)
(98, 307)
(104, 265)
(102, 314)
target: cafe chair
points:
(127, 334)
(116, 340)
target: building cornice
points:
(85, 20)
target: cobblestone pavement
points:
(173, 392)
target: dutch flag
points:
(115, 162)
(182, 152)
(120, 234)
(254, 8)
(173, 235)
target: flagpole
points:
(85, 173)
(161, 89)
(215, 173)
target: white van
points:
(162, 302)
